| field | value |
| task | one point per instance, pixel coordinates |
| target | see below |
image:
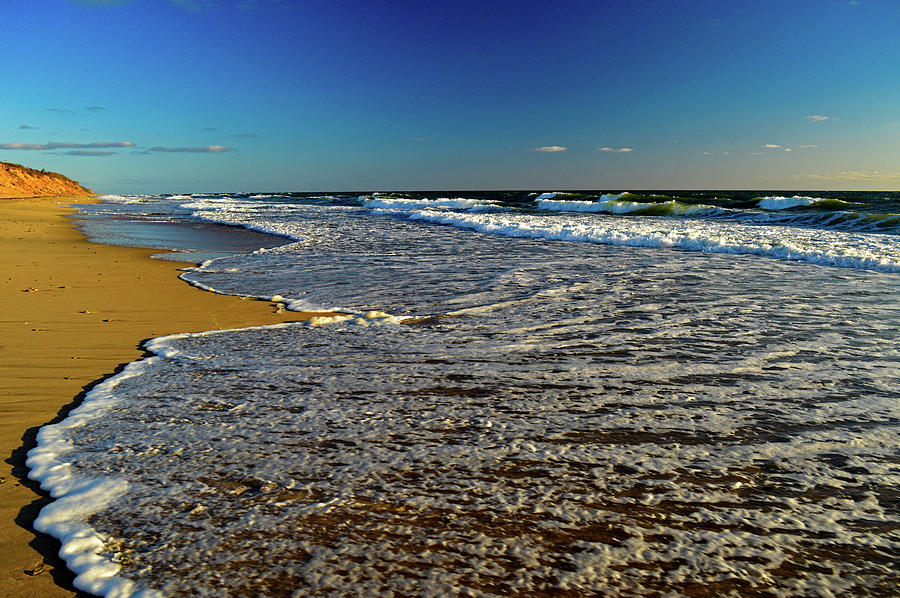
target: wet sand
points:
(73, 312)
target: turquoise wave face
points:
(828, 214)
(850, 214)
(846, 211)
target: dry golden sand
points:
(72, 313)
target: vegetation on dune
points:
(18, 180)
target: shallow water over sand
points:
(556, 418)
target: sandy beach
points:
(74, 312)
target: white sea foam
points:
(831, 248)
(302, 304)
(786, 203)
(553, 194)
(613, 204)
(728, 235)
(342, 447)
(205, 287)
(574, 417)
(547, 195)
(247, 215)
(79, 496)
(572, 205)
(460, 203)
(126, 199)
(375, 318)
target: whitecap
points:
(786, 203)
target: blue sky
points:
(265, 95)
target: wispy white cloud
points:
(95, 153)
(209, 149)
(54, 145)
(70, 111)
(548, 148)
(621, 150)
(817, 118)
(775, 146)
(110, 144)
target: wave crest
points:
(398, 203)
(777, 202)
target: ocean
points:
(526, 393)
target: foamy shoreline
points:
(590, 418)
(75, 312)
